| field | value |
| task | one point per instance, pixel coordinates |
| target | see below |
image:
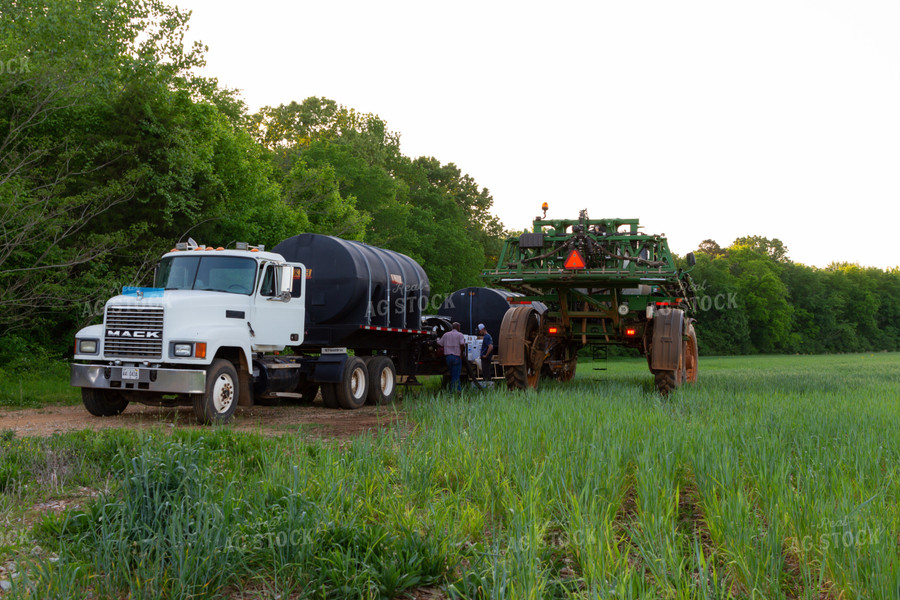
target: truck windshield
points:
(230, 274)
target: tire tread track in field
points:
(626, 517)
(692, 522)
(793, 584)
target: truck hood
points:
(191, 312)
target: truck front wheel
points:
(103, 403)
(217, 405)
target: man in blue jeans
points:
(454, 344)
(487, 352)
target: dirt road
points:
(309, 420)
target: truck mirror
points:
(691, 260)
(287, 280)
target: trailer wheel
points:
(351, 392)
(217, 405)
(382, 380)
(103, 403)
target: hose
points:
(472, 376)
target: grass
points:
(35, 388)
(774, 477)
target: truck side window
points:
(269, 282)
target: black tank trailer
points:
(473, 305)
(353, 288)
(364, 299)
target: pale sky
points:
(711, 119)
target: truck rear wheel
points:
(217, 405)
(350, 393)
(329, 395)
(308, 391)
(382, 380)
(103, 403)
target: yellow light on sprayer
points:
(545, 206)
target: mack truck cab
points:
(192, 338)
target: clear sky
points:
(705, 119)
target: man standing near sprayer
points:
(487, 352)
(454, 344)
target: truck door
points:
(279, 307)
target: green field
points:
(773, 477)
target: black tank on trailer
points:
(473, 305)
(351, 286)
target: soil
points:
(311, 420)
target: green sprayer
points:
(593, 282)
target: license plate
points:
(130, 372)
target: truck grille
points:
(137, 321)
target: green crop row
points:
(772, 478)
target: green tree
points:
(711, 248)
(774, 248)
(111, 150)
(722, 325)
(764, 297)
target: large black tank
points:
(351, 284)
(473, 305)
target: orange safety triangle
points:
(574, 260)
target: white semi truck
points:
(228, 327)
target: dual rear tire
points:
(363, 381)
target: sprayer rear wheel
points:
(666, 381)
(527, 375)
(690, 356)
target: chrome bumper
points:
(168, 381)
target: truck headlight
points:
(87, 346)
(183, 349)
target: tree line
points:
(112, 148)
(753, 298)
